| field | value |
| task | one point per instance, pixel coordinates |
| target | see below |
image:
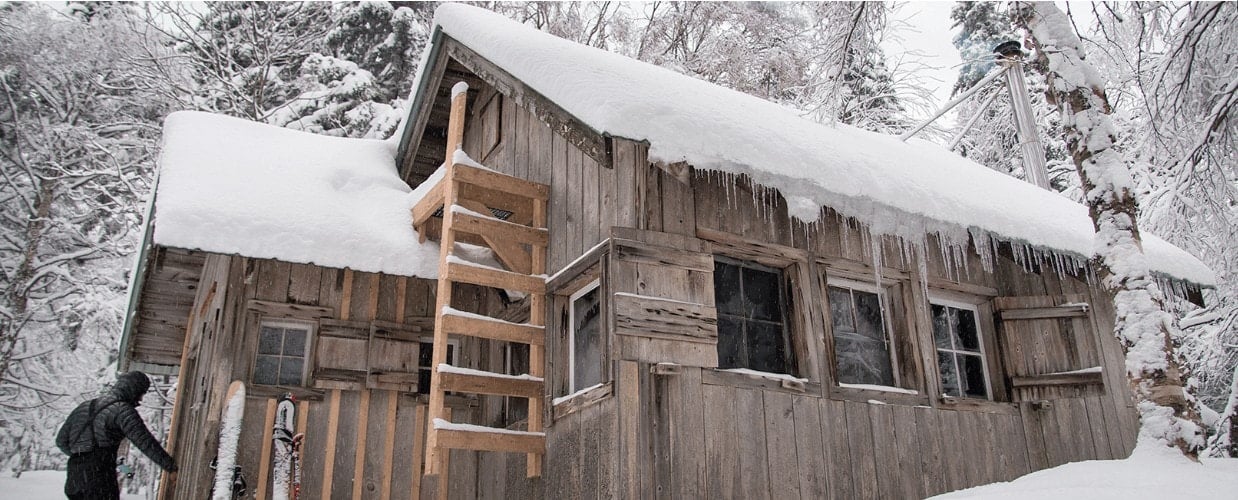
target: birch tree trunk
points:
(1168, 415)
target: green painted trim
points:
(418, 99)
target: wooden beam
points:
(491, 385)
(523, 442)
(495, 329)
(333, 423)
(363, 423)
(346, 298)
(1062, 311)
(495, 278)
(264, 463)
(393, 398)
(1085, 378)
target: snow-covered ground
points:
(40, 485)
(1150, 473)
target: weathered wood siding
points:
(701, 432)
(360, 442)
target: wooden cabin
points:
(639, 328)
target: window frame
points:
(452, 354)
(307, 358)
(595, 284)
(786, 313)
(883, 292)
(983, 351)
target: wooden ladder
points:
(467, 197)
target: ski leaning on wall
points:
(229, 483)
(283, 441)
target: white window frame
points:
(883, 300)
(984, 354)
(311, 331)
(571, 333)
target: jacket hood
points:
(131, 386)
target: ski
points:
(228, 481)
(282, 437)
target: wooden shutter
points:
(1049, 347)
(662, 298)
(393, 355)
(341, 351)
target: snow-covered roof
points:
(902, 188)
(233, 186)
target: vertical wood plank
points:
(881, 418)
(837, 442)
(780, 438)
(722, 476)
(333, 422)
(753, 457)
(264, 464)
(810, 448)
(860, 442)
(346, 296)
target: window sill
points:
(274, 391)
(584, 399)
(980, 405)
(759, 380)
(878, 396)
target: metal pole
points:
(955, 102)
(1010, 56)
(972, 121)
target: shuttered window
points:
(752, 320)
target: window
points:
(515, 362)
(281, 353)
(862, 350)
(752, 321)
(960, 354)
(585, 338)
(425, 356)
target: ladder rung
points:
(495, 384)
(489, 439)
(496, 278)
(486, 226)
(490, 179)
(425, 208)
(491, 328)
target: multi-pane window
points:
(281, 353)
(425, 357)
(862, 349)
(752, 321)
(585, 338)
(960, 355)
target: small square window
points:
(282, 347)
(585, 338)
(960, 354)
(425, 356)
(752, 322)
(862, 349)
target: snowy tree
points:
(1145, 330)
(77, 139)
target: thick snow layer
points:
(233, 186)
(900, 188)
(1152, 473)
(42, 485)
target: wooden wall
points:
(360, 443)
(700, 432)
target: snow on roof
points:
(902, 188)
(234, 186)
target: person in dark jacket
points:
(93, 433)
